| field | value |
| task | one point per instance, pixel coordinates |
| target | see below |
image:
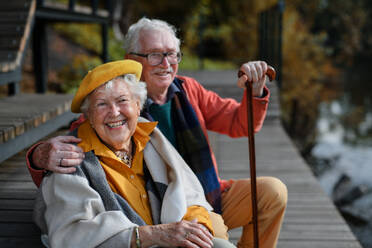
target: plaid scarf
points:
(193, 146)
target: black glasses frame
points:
(165, 54)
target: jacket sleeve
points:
(75, 215)
(225, 115)
(36, 174)
(201, 215)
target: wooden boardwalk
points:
(311, 219)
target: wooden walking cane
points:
(252, 153)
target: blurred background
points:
(321, 48)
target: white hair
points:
(136, 88)
(131, 39)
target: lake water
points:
(344, 150)
(349, 158)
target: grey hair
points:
(137, 89)
(131, 39)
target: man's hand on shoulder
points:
(58, 154)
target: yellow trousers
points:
(237, 211)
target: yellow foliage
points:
(232, 26)
(305, 69)
(259, 6)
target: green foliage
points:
(73, 73)
(87, 35)
(115, 48)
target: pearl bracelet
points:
(138, 241)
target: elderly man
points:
(185, 111)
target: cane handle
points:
(270, 73)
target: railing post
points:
(270, 37)
(94, 4)
(109, 7)
(281, 7)
(104, 35)
(13, 88)
(40, 56)
(40, 3)
(71, 5)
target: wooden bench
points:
(26, 118)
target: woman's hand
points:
(181, 234)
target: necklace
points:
(124, 157)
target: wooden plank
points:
(20, 230)
(20, 177)
(19, 165)
(15, 145)
(15, 5)
(41, 115)
(7, 55)
(31, 109)
(16, 204)
(317, 244)
(8, 132)
(9, 42)
(15, 216)
(28, 120)
(11, 29)
(18, 125)
(18, 17)
(22, 194)
(11, 242)
(316, 232)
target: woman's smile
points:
(116, 124)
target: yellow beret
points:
(102, 74)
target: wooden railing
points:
(52, 12)
(21, 19)
(270, 38)
(16, 21)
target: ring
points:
(60, 162)
(187, 235)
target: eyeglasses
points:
(157, 58)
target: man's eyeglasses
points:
(157, 58)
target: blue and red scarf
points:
(192, 145)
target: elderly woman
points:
(133, 189)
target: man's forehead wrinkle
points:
(157, 42)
